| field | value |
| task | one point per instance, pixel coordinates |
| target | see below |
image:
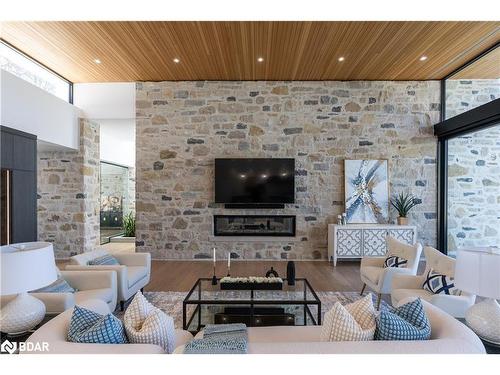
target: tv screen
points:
(254, 180)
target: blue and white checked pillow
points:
(395, 261)
(407, 322)
(438, 283)
(105, 260)
(58, 286)
(89, 327)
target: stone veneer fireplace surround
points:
(183, 126)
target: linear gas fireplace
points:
(254, 225)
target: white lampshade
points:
(26, 266)
(477, 271)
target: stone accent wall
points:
(474, 189)
(130, 207)
(68, 195)
(464, 95)
(183, 126)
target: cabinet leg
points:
(363, 289)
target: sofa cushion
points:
(146, 324)
(135, 273)
(372, 273)
(438, 283)
(353, 322)
(395, 262)
(104, 260)
(103, 294)
(406, 322)
(89, 327)
(58, 286)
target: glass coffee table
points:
(292, 305)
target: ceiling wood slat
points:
(144, 51)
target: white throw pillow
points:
(353, 322)
(146, 324)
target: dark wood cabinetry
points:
(18, 186)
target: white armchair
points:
(412, 286)
(133, 272)
(378, 278)
(100, 285)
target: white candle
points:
(228, 260)
(214, 256)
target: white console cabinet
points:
(361, 240)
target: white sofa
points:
(379, 279)
(54, 332)
(133, 272)
(448, 336)
(405, 286)
(89, 284)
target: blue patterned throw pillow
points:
(89, 327)
(438, 283)
(395, 261)
(407, 322)
(105, 260)
(58, 286)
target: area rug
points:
(171, 304)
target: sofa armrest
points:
(372, 262)
(87, 280)
(121, 273)
(402, 281)
(134, 259)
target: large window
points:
(23, 67)
(115, 201)
(474, 189)
(475, 84)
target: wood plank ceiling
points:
(144, 51)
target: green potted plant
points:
(403, 203)
(129, 225)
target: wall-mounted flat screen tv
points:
(255, 181)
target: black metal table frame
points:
(252, 302)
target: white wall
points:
(30, 109)
(118, 141)
(105, 100)
(112, 105)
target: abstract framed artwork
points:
(366, 191)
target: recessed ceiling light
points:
(176, 60)
(97, 61)
(260, 59)
(423, 58)
(341, 58)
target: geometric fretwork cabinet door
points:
(354, 241)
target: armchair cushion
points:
(395, 262)
(103, 260)
(406, 322)
(438, 283)
(146, 324)
(58, 286)
(104, 294)
(353, 322)
(87, 326)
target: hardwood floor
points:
(180, 276)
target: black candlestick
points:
(214, 278)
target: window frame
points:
(43, 66)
